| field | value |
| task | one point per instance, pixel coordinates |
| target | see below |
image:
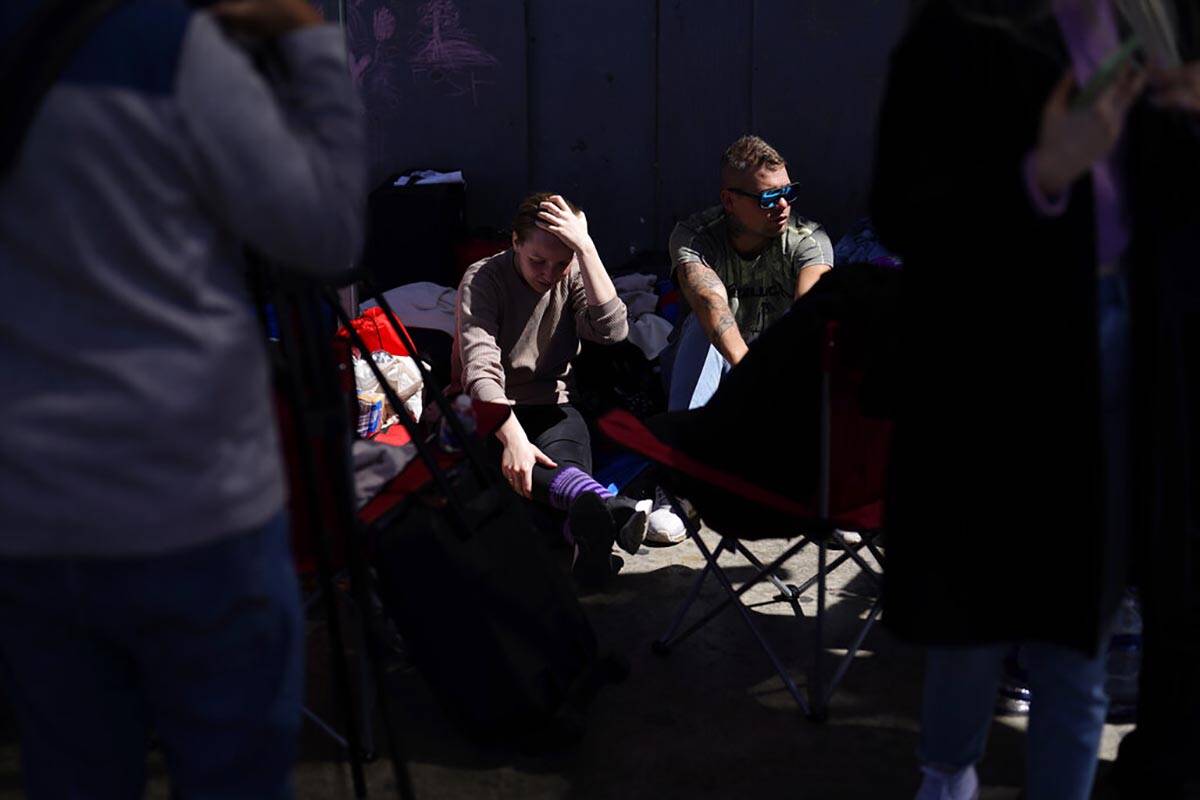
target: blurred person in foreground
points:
(1042, 228)
(146, 580)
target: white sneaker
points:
(962, 784)
(851, 537)
(664, 527)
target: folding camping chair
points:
(376, 332)
(852, 449)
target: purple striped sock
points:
(569, 483)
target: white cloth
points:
(637, 282)
(425, 177)
(647, 330)
(650, 332)
(640, 303)
(422, 305)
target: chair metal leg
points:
(788, 591)
(816, 687)
(837, 562)
(663, 644)
(735, 594)
(366, 704)
(366, 698)
(847, 659)
(788, 683)
(325, 728)
(852, 551)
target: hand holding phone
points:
(1073, 137)
(1107, 73)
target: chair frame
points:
(815, 705)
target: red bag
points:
(375, 329)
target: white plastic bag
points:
(401, 374)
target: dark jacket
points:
(994, 518)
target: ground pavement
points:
(710, 721)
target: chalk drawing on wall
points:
(447, 54)
(376, 53)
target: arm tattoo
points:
(724, 323)
(698, 277)
(699, 281)
(705, 291)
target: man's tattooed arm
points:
(706, 295)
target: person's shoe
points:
(599, 522)
(1012, 700)
(961, 784)
(664, 526)
(630, 519)
(1013, 697)
(851, 539)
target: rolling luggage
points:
(491, 621)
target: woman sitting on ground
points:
(520, 316)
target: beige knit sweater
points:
(513, 345)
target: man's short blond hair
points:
(748, 155)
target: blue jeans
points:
(1066, 714)
(203, 647)
(694, 368)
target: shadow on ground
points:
(711, 720)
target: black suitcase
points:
(411, 232)
(491, 621)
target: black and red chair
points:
(822, 477)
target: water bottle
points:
(465, 412)
(1125, 660)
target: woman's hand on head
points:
(1073, 139)
(517, 462)
(569, 226)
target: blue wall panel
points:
(819, 74)
(444, 85)
(591, 114)
(624, 105)
(704, 71)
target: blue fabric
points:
(694, 368)
(1066, 717)
(135, 47)
(860, 245)
(619, 470)
(203, 647)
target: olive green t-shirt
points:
(761, 288)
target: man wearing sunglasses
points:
(740, 265)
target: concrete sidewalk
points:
(710, 721)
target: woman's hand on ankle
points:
(517, 463)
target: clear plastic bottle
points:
(1125, 660)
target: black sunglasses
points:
(771, 197)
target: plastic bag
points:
(401, 374)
